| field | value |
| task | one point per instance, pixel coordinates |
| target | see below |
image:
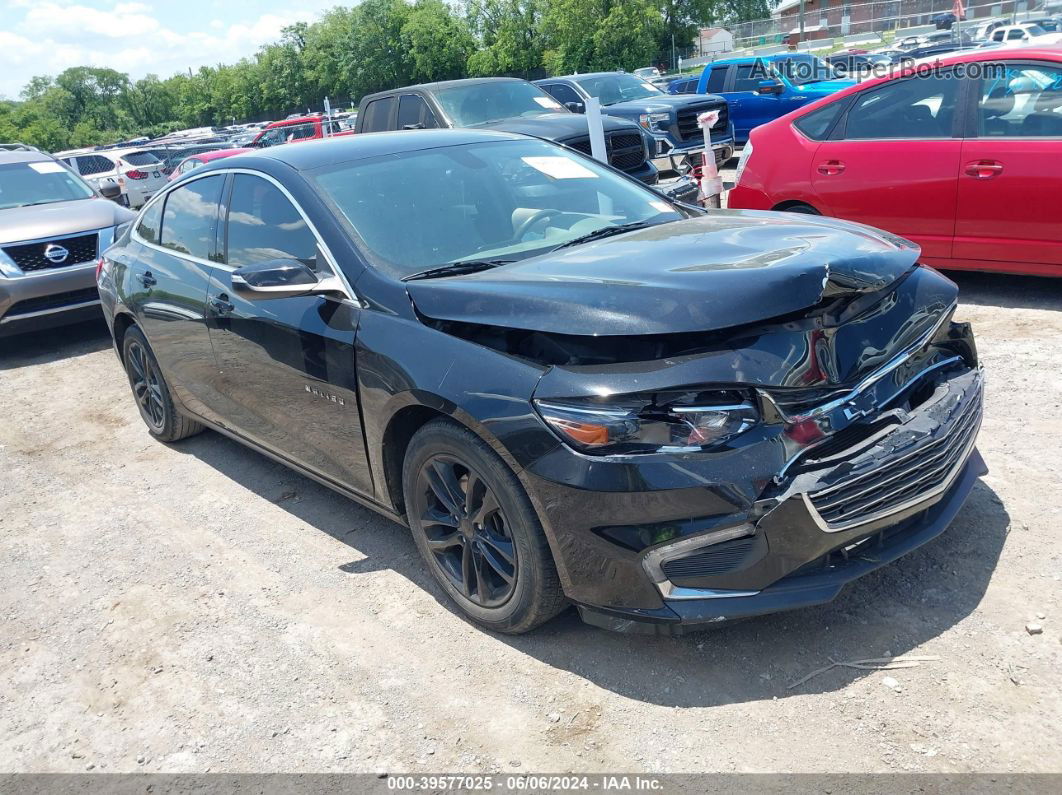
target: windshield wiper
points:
(458, 268)
(605, 231)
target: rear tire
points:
(477, 531)
(802, 209)
(151, 392)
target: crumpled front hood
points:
(60, 218)
(725, 269)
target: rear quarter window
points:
(817, 124)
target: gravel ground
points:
(197, 607)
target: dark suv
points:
(508, 105)
(571, 389)
(670, 119)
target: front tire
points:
(477, 531)
(151, 392)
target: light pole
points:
(801, 24)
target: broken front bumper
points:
(834, 514)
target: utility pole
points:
(674, 61)
(801, 23)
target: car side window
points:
(377, 114)
(746, 79)
(717, 79)
(919, 107)
(94, 164)
(563, 93)
(189, 219)
(300, 132)
(1020, 101)
(150, 221)
(264, 225)
(1017, 33)
(272, 137)
(816, 125)
(413, 113)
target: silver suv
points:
(53, 228)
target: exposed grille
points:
(55, 301)
(687, 120)
(888, 486)
(625, 150)
(31, 256)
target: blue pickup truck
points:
(761, 89)
(670, 120)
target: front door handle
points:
(831, 168)
(147, 279)
(220, 304)
(984, 169)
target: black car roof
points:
(582, 74)
(325, 151)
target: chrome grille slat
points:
(899, 481)
(967, 411)
(944, 442)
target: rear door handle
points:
(147, 279)
(984, 169)
(831, 168)
(221, 304)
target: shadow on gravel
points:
(52, 345)
(887, 613)
(1001, 289)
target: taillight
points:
(135, 174)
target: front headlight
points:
(654, 120)
(665, 422)
(746, 153)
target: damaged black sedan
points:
(572, 389)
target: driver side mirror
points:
(770, 87)
(575, 107)
(110, 190)
(281, 278)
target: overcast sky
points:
(153, 36)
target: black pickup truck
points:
(508, 105)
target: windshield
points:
(485, 201)
(483, 103)
(46, 182)
(802, 69)
(611, 89)
(1035, 30)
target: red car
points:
(964, 158)
(307, 128)
(195, 161)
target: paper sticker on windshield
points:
(560, 167)
(546, 102)
(662, 207)
(47, 167)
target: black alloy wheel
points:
(147, 386)
(467, 531)
(477, 530)
(151, 392)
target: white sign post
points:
(328, 117)
(597, 131)
(711, 182)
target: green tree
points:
(627, 37)
(437, 40)
(509, 34)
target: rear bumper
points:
(48, 299)
(816, 583)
